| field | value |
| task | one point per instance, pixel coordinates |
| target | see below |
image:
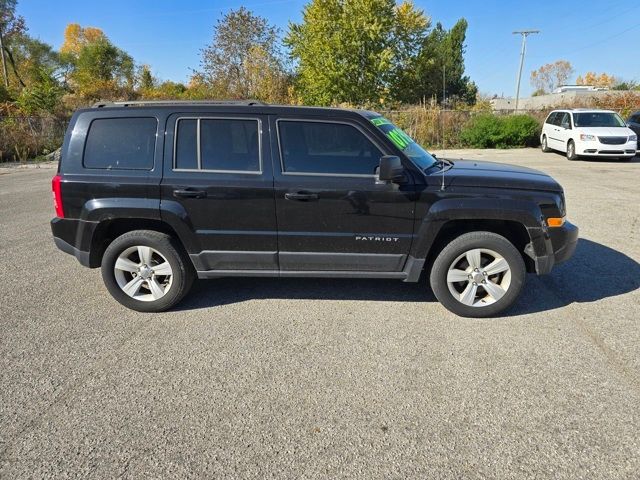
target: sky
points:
(600, 36)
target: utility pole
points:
(525, 34)
(4, 63)
(444, 86)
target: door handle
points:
(189, 193)
(302, 197)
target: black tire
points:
(456, 249)
(544, 145)
(182, 271)
(571, 151)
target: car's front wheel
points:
(571, 150)
(479, 274)
(544, 145)
(144, 270)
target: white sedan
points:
(588, 133)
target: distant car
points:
(588, 133)
(634, 122)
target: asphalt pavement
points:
(322, 378)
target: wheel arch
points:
(110, 229)
(512, 230)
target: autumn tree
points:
(597, 80)
(98, 69)
(354, 51)
(242, 43)
(550, 76)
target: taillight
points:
(57, 195)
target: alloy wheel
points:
(143, 273)
(479, 277)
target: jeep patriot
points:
(160, 193)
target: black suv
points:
(159, 193)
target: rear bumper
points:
(74, 237)
(560, 245)
(82, 256)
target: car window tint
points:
(121, 143)
(186, 147)
(552, 118)
(326, 147)
(229, 144)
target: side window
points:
(552, 118)
(125, 143)
(326, 148)
(564, 120)
(226, 145)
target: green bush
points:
(492, 131)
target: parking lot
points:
(321, 378)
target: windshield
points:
(404, 142)
(598, 119)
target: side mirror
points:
(566, 126)
(391, 169)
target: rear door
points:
(333, 214)
(217, 190)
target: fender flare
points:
(523, 212)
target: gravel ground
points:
(306, 378)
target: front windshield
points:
(598, 119)
(404, 142)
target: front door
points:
(218, 183)
(333, 214)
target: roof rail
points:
(139, 103)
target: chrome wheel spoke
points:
(163, 269)
(133, 287)
(156, 289)
(145, 254)
(473, 257)
(494, 290)
(456, 275)
(126, 265)
(499, 265)
(469, 294)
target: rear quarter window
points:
(121, 143)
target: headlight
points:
(587, 138)
(633, 138)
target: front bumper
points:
(597, 149)
(560, 244)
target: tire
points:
(151, 267)
(571, 150)
(506, 283)
(544, 146)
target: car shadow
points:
(595, 272)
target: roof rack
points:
(139, 103)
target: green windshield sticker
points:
(397, 136)
(380, 121)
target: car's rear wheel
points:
(571, 150)
(144, 270)
(544, 145)
(479, 274)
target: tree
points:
(228, 63)
(595, 80)
(97, 68)
(550, 76)
(354, 51)
(439, 64)
(11, 27)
